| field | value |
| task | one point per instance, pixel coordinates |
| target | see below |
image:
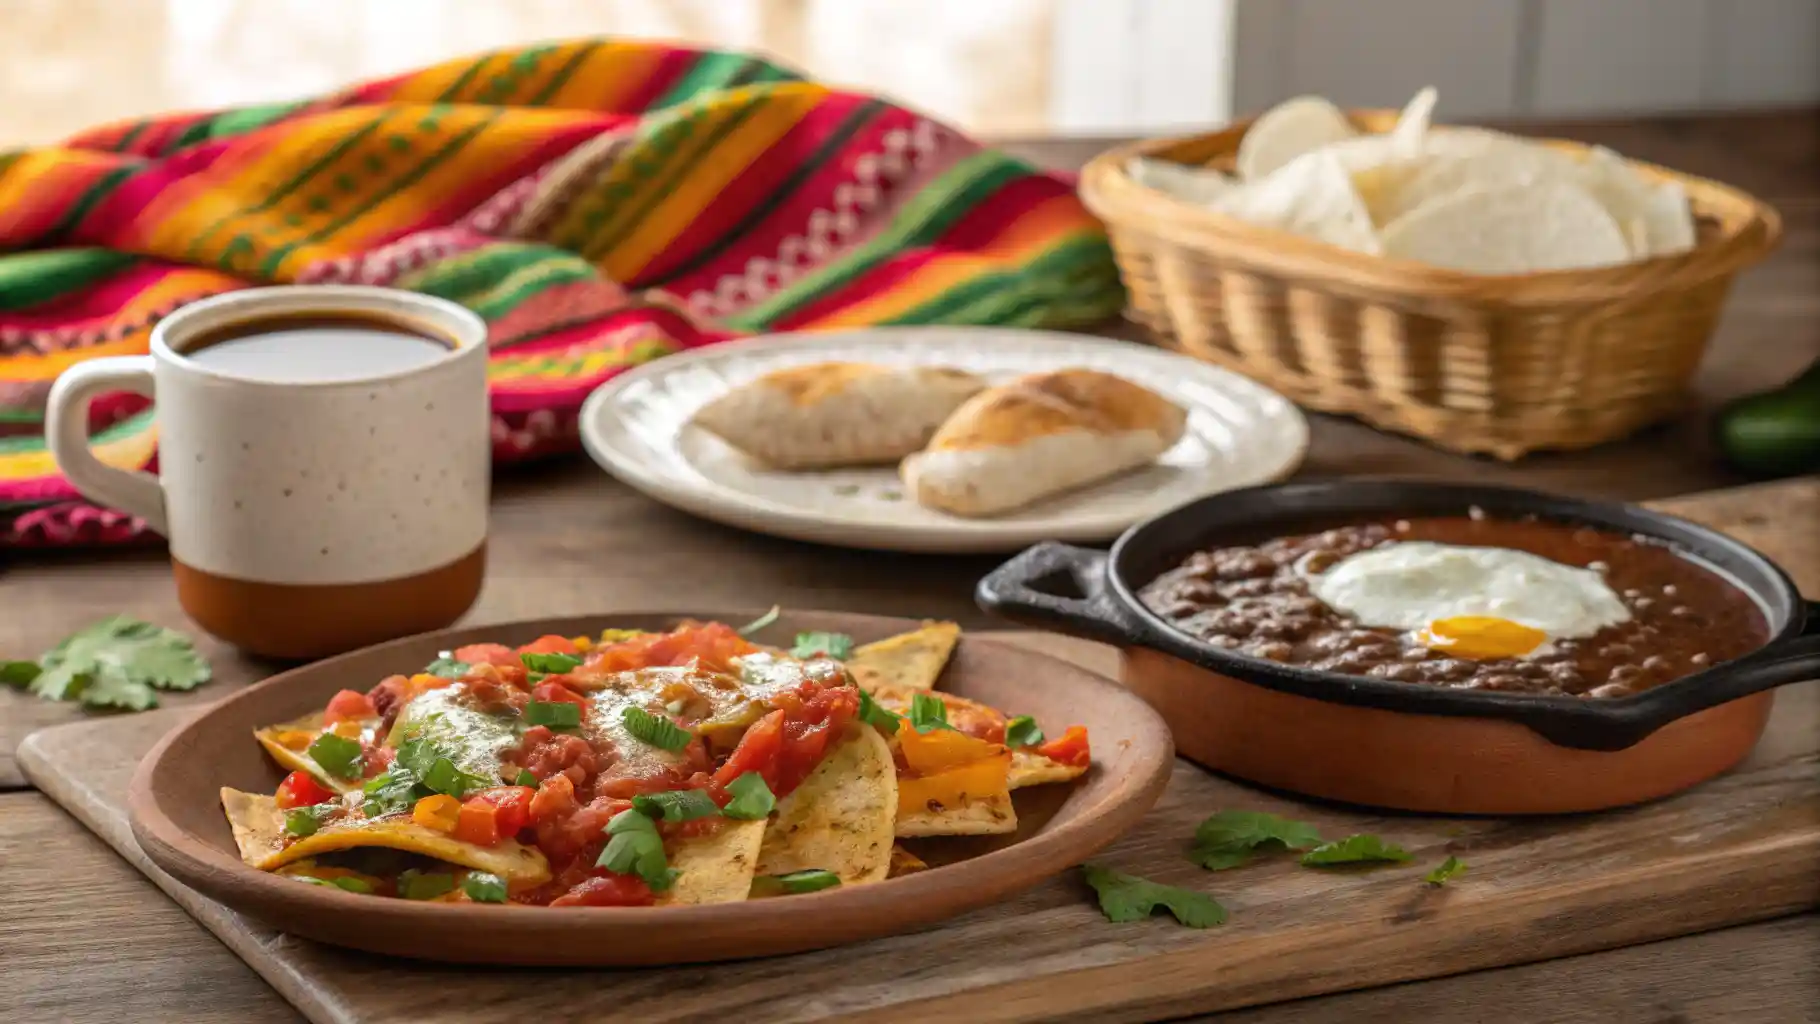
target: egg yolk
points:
(1481, 637)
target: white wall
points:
(1129, 66)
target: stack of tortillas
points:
(1468, 199)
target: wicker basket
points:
(1495, 365)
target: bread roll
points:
(837, 414)
(1038, 436)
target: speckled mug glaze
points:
(305, 517)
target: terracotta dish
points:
(175, 810)
(1413, 746)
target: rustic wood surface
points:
(1738, 849)
(566, 538)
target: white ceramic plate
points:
(636, 426)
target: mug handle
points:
(66, 428)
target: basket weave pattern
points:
(1494, 365)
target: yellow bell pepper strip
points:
(984, 778)
(438, 811)
(930, 753)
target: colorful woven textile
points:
(600, 203)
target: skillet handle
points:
(1061, 588)
(1593, 726)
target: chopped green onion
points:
(557, 714)
(928, 713)
(1452, 867)
(752, 799)
(871, 713)
(338, 755)
(483, 887)
(446, 667)
(761, 622)
(525, 778)
(676, 805)
(656, 730)
(554, 664)
(810, 880)
(838, 646)
(1022, 731)
(424, 885)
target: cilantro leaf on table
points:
(1227, 839)
(1126, 898)
(1359, 849)
(1451, 868)
(115, 663)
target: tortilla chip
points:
(976, 816)
(914, 660)
(840, 818)
(716, 868)
(1029, 768)
(259, 833)
(288, 743)
(903, 862)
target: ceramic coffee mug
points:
(323, 459)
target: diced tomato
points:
(550, 692)
(486, 654)
(715, 645)
(1070, 748)
(477, 822)
(389, 696)
(554, 800)
(511, 807)
(349, 705)
(300, 789)
(546, 754)
(787, 744)
(607, 890)
(757, 750)
(377, 760)
(550, 644)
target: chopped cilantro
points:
(656, 730)
(1229, 838)
(483, 887)
(446, 667)
(557, 714)
(424, 885)
(554, 664)
(877, 716)
(436, 770)
(1451, 868)
(752, 799)
(115, 663)
(808, 880)
(1126, 898)
(676, 805)
(1022, 731)
(392, 791)
(814, 644)
(635, 848)
(928, 713)
(1359, 849)
(338, 755)
(525, 778)
(761, 622)
(305, 821)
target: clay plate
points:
(176, 815)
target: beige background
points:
(66, 64)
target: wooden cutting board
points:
(1740, 848)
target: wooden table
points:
(85, 938)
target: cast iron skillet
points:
(1093, 594)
